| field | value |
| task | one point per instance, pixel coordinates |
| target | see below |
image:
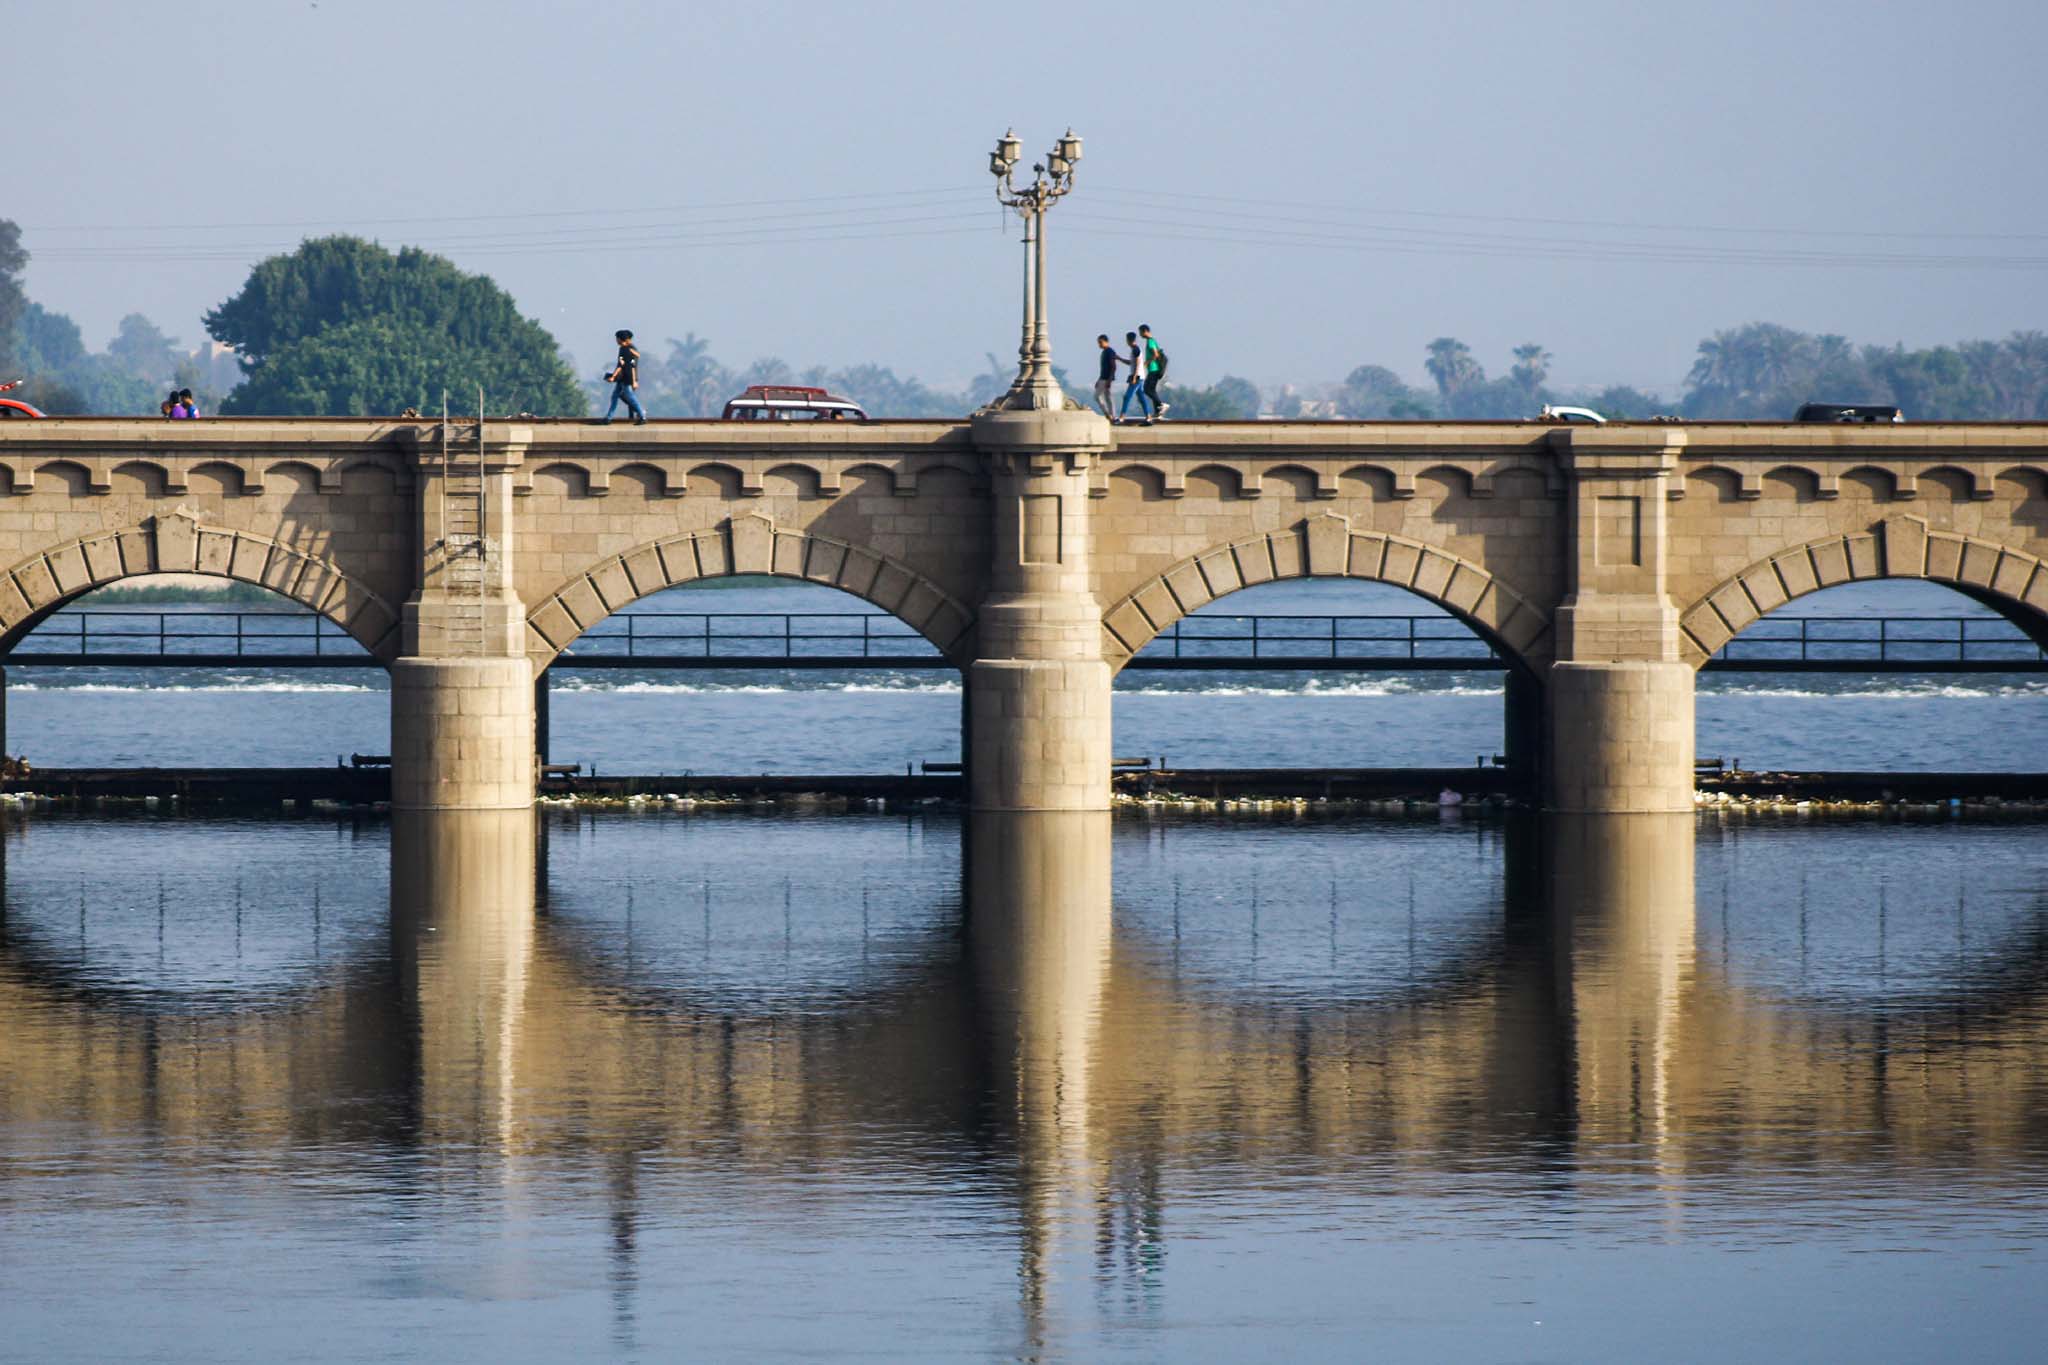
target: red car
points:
(10, 407)
(787, 403)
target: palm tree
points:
(702, 384)
(1451, 365)
(1532, 367)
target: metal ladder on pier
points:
(465, 540)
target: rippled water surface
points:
(876, 721)
(1031, 1087)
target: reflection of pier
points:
(1053, 1047)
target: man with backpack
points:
(1155, 370)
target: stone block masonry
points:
(1037, 551)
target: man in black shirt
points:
(625, 378)
(1105, 378)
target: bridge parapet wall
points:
(318, 512)
(910, 495)
(1236, 502)
(1754, 526)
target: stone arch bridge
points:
(1038, 550)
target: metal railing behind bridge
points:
(1894, 644)
(1299, 641)
(824, 640)
(113, 638)
(752, 639)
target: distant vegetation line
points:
(230, 593)
(238, 594)
(344, 327)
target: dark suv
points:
(1848, 412)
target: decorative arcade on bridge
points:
(1040, 552)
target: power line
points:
(144, 254)
(1570, 222)
(335, 223)
(1408, 242)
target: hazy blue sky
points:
(606, 164)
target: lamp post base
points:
(1030, 394)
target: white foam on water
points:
(659, 689)
(1886, 692)
(227, 686)
(1314, 688)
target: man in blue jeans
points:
(625, 377)
(1134, 387)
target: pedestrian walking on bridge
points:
(1155, 370)
(1134, 383)
(1105, 377)
(625, 378)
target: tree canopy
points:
(343, 327)
(1765, 370)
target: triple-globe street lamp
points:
(1052, 179)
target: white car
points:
(1555, 413)
(788, 403)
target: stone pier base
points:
(1038, 734)
(462, 734)
(1621, 737)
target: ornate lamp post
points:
(1052, 179)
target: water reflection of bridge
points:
(1038, 1039)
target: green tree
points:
(769, 369)
(1241, 394)
(13, 300)
(141, 349)
(699, 384)
(49, 341)
(1532, 367)
(343, 327)
(1373, 391)
(1225, 401)
(1620, 403)
(375, 366)
(1451, 365)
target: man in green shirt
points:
(1155, 370)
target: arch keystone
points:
(1904, 541)
(753, 543)
(1329, 539)
(177, 541)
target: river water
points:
(760, 1086)
(657, 721)
(726, 1086)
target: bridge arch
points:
(1325, 546)
(751, 544)
(2009, 581)
(37, 585)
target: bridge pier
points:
(1620, 695)
(1038, 703)
(462, 690)
(1621, 737)
(462, 734)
